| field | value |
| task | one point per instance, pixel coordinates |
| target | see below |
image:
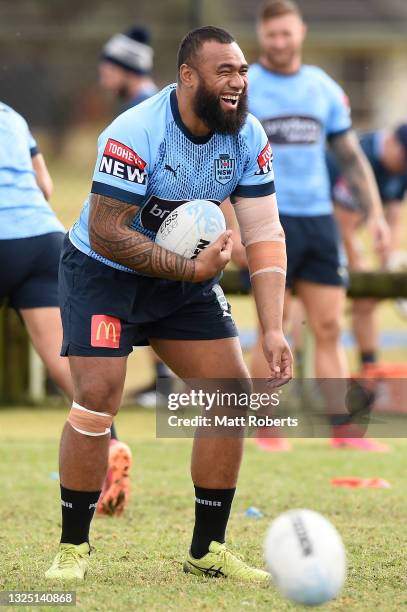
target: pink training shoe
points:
(363, 444)
(116, 488)
(267, 439)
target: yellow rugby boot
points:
(219, 562)
(70, 563)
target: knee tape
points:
(89, 422)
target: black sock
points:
(78, 508)
(113, 432)
(212, 509)
(359, 403)
(367, 357)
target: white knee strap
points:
(89, 422)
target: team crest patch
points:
(224, 168)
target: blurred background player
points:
(30, 243)
(125, 70)
(301, 109)
(387, 154)
(125, 66)
(31, 237)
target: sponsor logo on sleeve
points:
(122, 162)
(105, 331)
(265, 160)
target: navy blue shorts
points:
(313, 250)
(105, 312)
(29, 271)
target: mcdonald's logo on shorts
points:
(105, 331)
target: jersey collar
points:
(181, 124)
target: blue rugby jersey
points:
(24, 212)
(148, 157)
(299, 112)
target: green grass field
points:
(137, 565)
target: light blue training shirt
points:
(24, 211)
(299, 113)
(149, 158)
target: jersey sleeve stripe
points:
(254, 191)
(116, 193)
(34, 151)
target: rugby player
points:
(31, 239)
(301, 109)
(386, 151)
(119, 289)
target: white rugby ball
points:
(306, 557)
(191, 227)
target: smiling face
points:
(217, 78)
(280, 40)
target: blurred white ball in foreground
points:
(306, 557)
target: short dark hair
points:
(277, 8)
(193, 41)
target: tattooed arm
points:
(356, 169)
(111, 236)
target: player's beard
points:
(208, 108)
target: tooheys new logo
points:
(265, 160)
(292, 130)
(119, 160)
